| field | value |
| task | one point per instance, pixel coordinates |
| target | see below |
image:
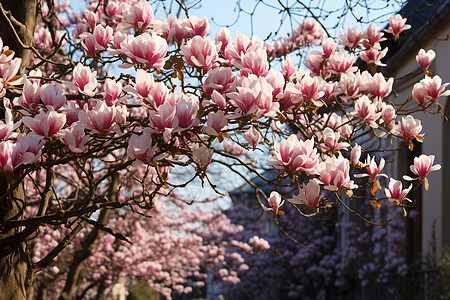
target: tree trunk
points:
(18, 19)
(15, 271)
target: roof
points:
(426, 17)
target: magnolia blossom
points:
(148, 49)
(200, 53)
(295, 155)
(46, 124)
(216, 123)
(100, 118)
(355, 155)
(408, 128)
(373, 171)
(372, 36)
(7, 126)
(252, 136)
(83, 80)
(6, 149)
(429, 89)
(425, 58)
(309, 195)
(340, 63)
(139, 16)
(259, 243)
(274, 201)
(220, 80)
(397, 25)
(223, 36)
(253, 62)
(366, 111)
(203, 156)
(331, 141)
(164, 119)
(334, 174)
(52, 96)
(395, 191)
(374, 56)
(187, 109)
(287, 67)
(351, 38)
(141, 148)
(422, 166)
(74, 137)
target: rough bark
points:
(18, 20)
(15, 271)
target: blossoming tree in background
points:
(85, 151)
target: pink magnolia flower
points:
(429, 89)
(379, 87)
(90, 44)
(334, 174)
(102, 36)
(223, 36)
(277, 81)
(331, 141)
(425, 58)
(27, 150)
(31, 96)
(349, 84)
(372, 36)
(6, 55)
(254, 96)
(310, 91)
(203, 156)
(148, 49)
(141, 148)
(187, 109)
(216, 123)
(46, 124)
(91, 18)
(388, 115)
(74, 137)
(100, 118)
(397, 25)
(252, 136)
(422, 166)
(408, 128)
(351, 38)
(144, 83)
(328, 47)
(216, 99)
(200, 53)
(295, 155)
(366, 111)
(83, 80)
(112, 91)
(51, 96)
(373, 171)
(7, 126)
(177, 30)
(199, 26)
(253, 62)
(139, 16)
(374, 56)
(164, 119)
(6, 149)
(287, 67)
(395, 191)
(8, 73)
(340, 63)
(158, 95)
(314, 62)
(220, 80)
(309, 195)
(355, 155)
(274, 202)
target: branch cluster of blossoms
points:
(182, 93)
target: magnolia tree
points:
(83, 149)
